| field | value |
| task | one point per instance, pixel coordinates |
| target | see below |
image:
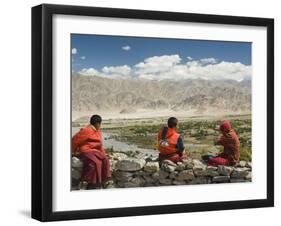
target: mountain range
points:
(93, 93)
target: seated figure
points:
(88, 144)
(169, 142)
(231, 147)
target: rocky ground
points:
(134, 172)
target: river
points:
(119, 146)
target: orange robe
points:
(169, 152)
(88, 142)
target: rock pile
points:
(132, 172)
(76, 169)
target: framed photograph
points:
(145, 112)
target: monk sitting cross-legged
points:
(169, 142)
(231, 146)
(88, 142)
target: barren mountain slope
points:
(92, 93)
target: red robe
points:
(88, 142)
(231, 146)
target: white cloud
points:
(74, 51)
(89, 72)
(171, 67)
(193, 63)
(82, 57)
(123, 71)
(208, 61)
(157, 64)
(126, 48)
(189, 58)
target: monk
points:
(231, 146)
(88, 143)
(169, 142)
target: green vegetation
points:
(245, 154)
(142, 136)
(198, 134)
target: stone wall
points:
(132, 172)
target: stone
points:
(152, 158)
(221, 179)
(198, 168)
(83, 185)
(75, 186)
(188, 163)
(122, 176)
(249, 176)
(109, 184)
(180, 166)
(75, 174)
(155, 176)
(240, 172)
(141, 173)
(76, 162)
(198, 172)
(249, 165)
(242, 164)
(198, 164)
(237, 180)
(168, 168)
(112, 163)
(135, 182)
(165, 181)
(179, 182)
(149, 184)
(148, 180)
(118, 156)
(225, 170)
(130, 164)
(155, 158)
(130, 172)
(163, 174)
(173, 175)
(169, 162)
(185, 175)
(211, 171)
(200, 180)
(151, 167)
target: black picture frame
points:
(42, 108)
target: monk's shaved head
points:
(95, 119)
(172, 122)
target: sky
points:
(159, 58)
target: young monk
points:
(88, 143)
(169, 142)
(231, 144)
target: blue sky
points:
(100, 52)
